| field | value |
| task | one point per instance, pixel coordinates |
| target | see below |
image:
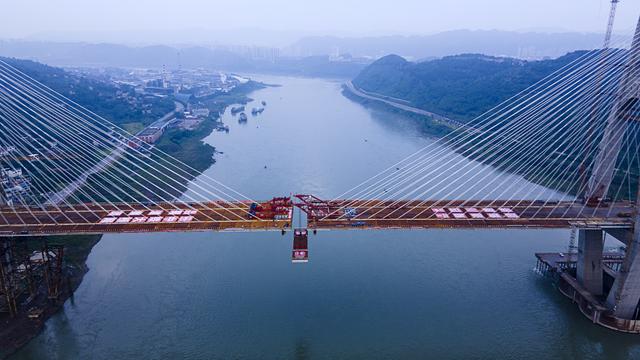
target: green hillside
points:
(461, 87)
(118, 104)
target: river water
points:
(440, 294)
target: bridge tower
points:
(624, 109)
(624, 297)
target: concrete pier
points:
(589, 266)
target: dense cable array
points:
(540, 139)
(78, 161)
(543, 135)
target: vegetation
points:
(429, 126)
(188, 147)
(133, 127)
(150, 180)
(122, 106)
(461, 87)
(118, 104)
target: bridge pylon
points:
(622, 304)
(625, 108)
(624, 297)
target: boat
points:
(256, 111)
(236, 109)
(243, 117)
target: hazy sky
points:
(84, 19)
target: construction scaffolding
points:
(27, 274)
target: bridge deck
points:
(358, 214)
(470, 214)
(125, 218)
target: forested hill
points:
(461, 87)
(117, 103)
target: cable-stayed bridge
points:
(69, 171)
(567, 147)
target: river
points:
(440, 294)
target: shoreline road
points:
(74, 186)
(403, 105)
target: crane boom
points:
(612, 17)
(592, 195)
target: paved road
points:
(403, 105)
(62, 195)
(167, 117)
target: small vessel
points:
(256, 111)
(236, 109)
(243, 118)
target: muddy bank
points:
(17, 331)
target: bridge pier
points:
(589, 266)
(624, 296)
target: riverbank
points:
(366, 294)
(184, 145)
(162, 171)
(17, 331)
(188, 146)
(436, 125)
(429, 122)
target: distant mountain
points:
(462, 86)
(524, 45)
(245, 36)
(85, 54)
(112, 55)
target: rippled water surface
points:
(440, 294)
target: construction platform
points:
(561, 267)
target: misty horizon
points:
(253, 36)
(281, 23)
